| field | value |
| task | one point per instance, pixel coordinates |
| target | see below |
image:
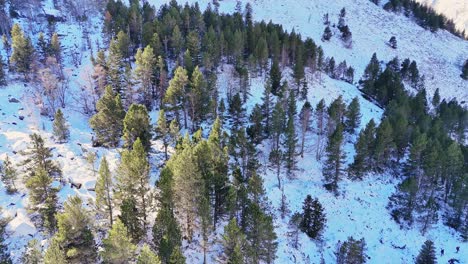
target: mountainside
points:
(457, 10)
(359, 209)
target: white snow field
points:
(358, 212)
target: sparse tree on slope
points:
(8, 175)
(353, 116)
(333, 167)
(23, 51)
(427, 254)
(61, 131)
(234, 244)
(104, 191)
(32, 253)
(38, 157)
(313, 218)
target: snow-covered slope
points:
(457, 10)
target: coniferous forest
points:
(184, 165)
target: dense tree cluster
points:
(425, 15)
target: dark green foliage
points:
(23, 51)
(327, 34)
(255, 130)
(333, 167)
(107, 123)
(436, 98)
(464, 74)
(353, 116)
(384, 146)
(351, 251)
(74, 235)
(4, 254)
(427, 254)
(234, 243)
(3, 81)
(364, 147)
(136, 124)
(129, 217)
(8, 175)
(38, 157)
(403, 202)
(275, 77)
(61, 132)
(166, 233)
(290, 137)
(393, 42)
(313, 218)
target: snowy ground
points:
(359, 212)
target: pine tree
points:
(336, 114)
(163, 131)
(234, 243)
(351, 251)
(123, 44)
(32, 253)
(104, 192)
(23, 51)
(117, 246)
(133, 187)
(43, 197)
(166, 233)
(55, 49)
(42, 48)
(137, 125)
(436, 98)
(8, 175)
(333, 167)
(464, 74)
(320, 115)
(353, 116)
(107, 123)
(267, 106)
(74, 233)
(176, 41)
(363, 146)
(188, 186)
(38, 157)
(277, 129)
(61, 132)
(427, 254)
(115, 68)
(176, 95)
(198, 98)
(147, 256)
(54, 253)
(313, 218)
(3, 81)
(403, 202)
(327, 34)
(290, 140)
(145, 62)
(384, 145)
(305, 115)
(177, 257)
(393, 42)
(298, 71)
(275, 77)
(260, 235)
(4, 254)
